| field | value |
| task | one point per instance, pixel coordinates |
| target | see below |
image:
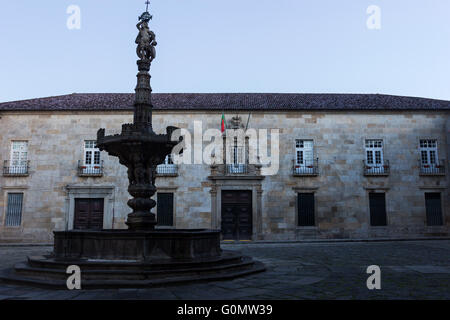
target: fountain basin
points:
(162, 244)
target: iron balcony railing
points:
(167, 170)
(377, 169)
(236, 168)
(436, 169)
(91, 170)
(16, 169)
(307, 168)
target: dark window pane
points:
(305, 207)
(165, 209)
(434, 209)
(377, 203)
(14, 210)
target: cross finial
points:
(146, 16)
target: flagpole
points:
(248, 120)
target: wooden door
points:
(89, 214)
(237, 215)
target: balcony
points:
(95, 170)
(378, 169)
(437, 169)
(307, 169)
(236, 170)
(16, 170)
(167, 170)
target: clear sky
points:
(295, 46)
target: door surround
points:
(255, 186)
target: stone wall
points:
(341, 190)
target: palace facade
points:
(354, 166)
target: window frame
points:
(314, 213)
(304, 156)
(424, 148)
(441, 209)
(22, 157)
(7, 204)
(173, 193)
(95, 162)
(376, 148)
(95, 154)
(385, 208)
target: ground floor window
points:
(165, 209)
(433, 208)
(14, 210)
(305, 208)
(377, 202)
(89, 214)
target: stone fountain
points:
(142, 256)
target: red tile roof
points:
(227, 101)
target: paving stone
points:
(409, 270)
(430, 269)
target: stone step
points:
(228, 257)
(9, 276)
(25, 270)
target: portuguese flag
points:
(223, 122)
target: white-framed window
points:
(428, 152)
(19, 157)
(92, 161)
(304, 156)
(374, 156)
(374, 152)
(237, 153)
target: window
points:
(304, 156)
(91, 158)
(374, 156)
(377, 202)
(305, 208)
(168, 160)
(428, 152)
(434, 209)
(19, 157)
(14, 210)
(237, 158)
(165, 209)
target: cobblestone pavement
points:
(409, 270)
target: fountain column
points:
(138, 147)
